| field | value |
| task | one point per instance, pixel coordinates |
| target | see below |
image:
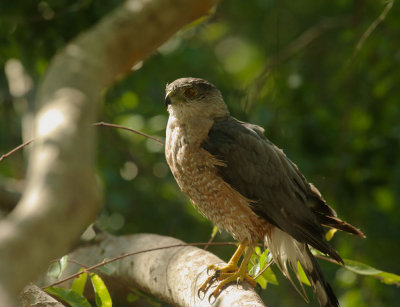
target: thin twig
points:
(129, 129)
(213, 235)
(95, 124)
(370, 29)
(264, 269)
(15, 149)
(328, 259)
(104, 262)
(77, 263)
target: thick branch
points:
(171, 274)
(61, 197)
(34, 296)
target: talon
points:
(227, 274)
(199, 292)
(210, 298)
(206, 285)
(209, 268)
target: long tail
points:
(287, 252)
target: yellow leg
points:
(230, 272)
(232, 263)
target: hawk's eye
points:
(189, 92)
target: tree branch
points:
(34, 296)
(61, 196)
(172, 274)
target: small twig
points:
(370, 29)
(129, 129)
(328, 259)
(15, 149)
(77, 263)
(264, 269)
(213, 235)
(95, 124)
(104, 262)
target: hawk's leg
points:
(230, 272)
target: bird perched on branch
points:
(246, 185)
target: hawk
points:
(246, 185)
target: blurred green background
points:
(334, 111)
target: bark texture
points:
(170, 274)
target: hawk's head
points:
(187, 97)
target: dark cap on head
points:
(184, 82)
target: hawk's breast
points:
(195, 172)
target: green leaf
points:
(214, 231)
(360, 268)
(389, 278)
(68, 296)
(263, 260)
(57, 267)
(303, 277)
(365, 269)
(257, 251)
(254, 266)
(262, 282)
(270, 276)
(329, 235)
(103, 298)
(132, 297)
(79, 283)
(109, 268)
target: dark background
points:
(334, 110)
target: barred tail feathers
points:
(286, 252)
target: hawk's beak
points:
(167, 100)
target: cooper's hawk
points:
(246, 185)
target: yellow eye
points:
(190, 92)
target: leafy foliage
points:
(79, 283)
(57, 267)
(75, 295)
(102, 296)
(364, 269)
(68, 296)
(335, 115)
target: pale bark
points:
(172, 274)
(34, 296)
(62, 196)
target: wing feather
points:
(260, 171)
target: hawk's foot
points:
(226, 278)
(219, 273)
(228, 273)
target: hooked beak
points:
(167, 100)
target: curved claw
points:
(228, 273)
(210, 301)
(207, 284)
(199, 292)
